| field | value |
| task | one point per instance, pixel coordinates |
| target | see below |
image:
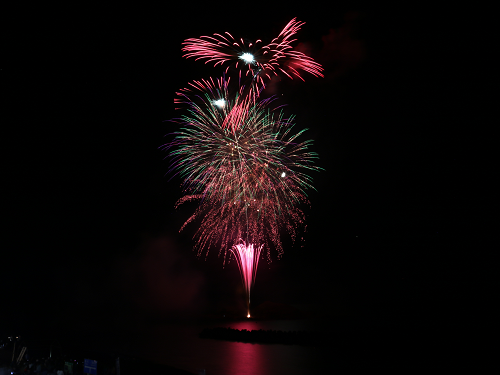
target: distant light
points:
(248, 315)
(247, 57)
(220, 103)
(283, 174)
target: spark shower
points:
(236, 154)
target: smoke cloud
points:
(342, 50)
(161, 281)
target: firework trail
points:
(257, 61)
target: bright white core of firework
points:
(283, 174)
(220, 103)
(247, 57)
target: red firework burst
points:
(256, 60)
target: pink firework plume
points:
(256, 60)
(247, 257)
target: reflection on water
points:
(240, 358)
(248, 359)
(179, 346)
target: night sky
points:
(395, 226)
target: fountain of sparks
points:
(247, 257)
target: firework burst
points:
(256, 60)
(245, 165)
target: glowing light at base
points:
(247, 256)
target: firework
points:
(246, 167)
(240, 159)
(256, 60)
(247, 257)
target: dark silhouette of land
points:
(266, 336)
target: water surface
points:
(179, 346)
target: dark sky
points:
(91, 228)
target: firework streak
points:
(237, 156)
